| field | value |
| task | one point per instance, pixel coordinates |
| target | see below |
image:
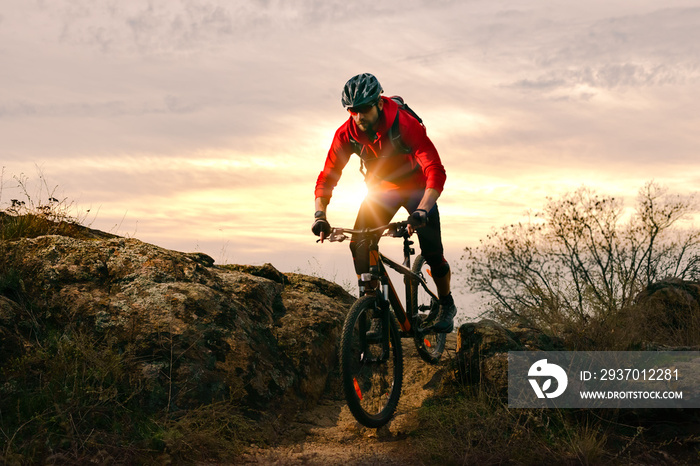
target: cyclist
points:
(403, 169)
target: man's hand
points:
(417, 219)
(321, 227)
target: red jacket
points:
(387, 168)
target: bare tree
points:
(584, 255)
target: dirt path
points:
(328, 433)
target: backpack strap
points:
(394, 133)
(403, 105)
(359, 149)
(396, 139)
(356, 146)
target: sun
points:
(347, 197)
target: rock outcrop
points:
(200, 332)
(665, 314)
(482, 351)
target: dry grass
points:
(475, 428)
(68, 396)
(466, 425)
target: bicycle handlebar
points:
(394, 229)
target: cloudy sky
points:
(202, 124)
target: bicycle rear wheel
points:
(429, 345)
(371, 368)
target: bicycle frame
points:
(387, 294)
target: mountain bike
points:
(371, 356)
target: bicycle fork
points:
(368, 284)
(381, 313)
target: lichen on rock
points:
(204, 333)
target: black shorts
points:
(379, 208)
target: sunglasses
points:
(361, 109)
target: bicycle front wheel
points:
(370, 363)
(429, 345)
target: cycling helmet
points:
(360, 90)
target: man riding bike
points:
(403, 169)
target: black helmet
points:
(360, 90)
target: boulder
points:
(482, 352)
(666, 313)
(200, 333)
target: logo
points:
(543, 369)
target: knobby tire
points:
(431, 345)
(372, 389)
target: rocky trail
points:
(169, 332)
(235, 333)
(329, 434)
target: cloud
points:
(666, 34)
(108, 109)
(159, 106)
(545, 83)
(164, 28)
(147, 176)
(612, 76)
(659, 48)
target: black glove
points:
(321, 225)
(419, 218)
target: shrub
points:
(36, 215)
(584, 257)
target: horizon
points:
(202, 125)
